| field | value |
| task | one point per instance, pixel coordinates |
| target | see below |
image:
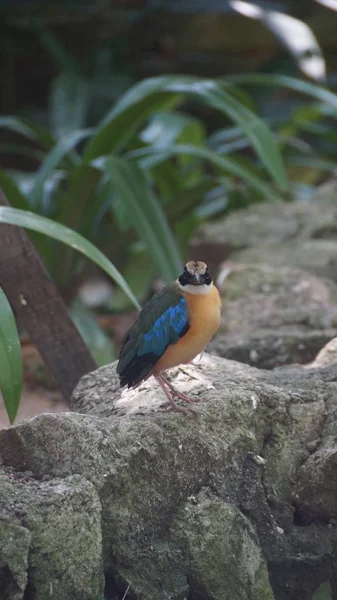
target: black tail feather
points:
(137, 370)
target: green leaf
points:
(37, 134)
(23, 150)
(59, 232)
(100, 345)
(69, 103)
(149, 95)
(11, 372)
(169, 181)
(298, 85)
(312, 163)
(56, 49)
(59, 151)
(188, 199)
(193, 133)
(122, 123)
(19, 200)
(324, 592)
(30, 130)
(165, 128)
(146, 215)
(11, 190)
(226, 164)
(75, 210)
(138, 271)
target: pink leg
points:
(177, 393)
(172, 405)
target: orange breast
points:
(204, 318)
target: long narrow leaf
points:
(313, 163)
(75, 210)
(30, 130)
(324, 592)
(122, 123)
(11, 372)
(146, 96)
(297, 85)
(224, 163)
(100, 345)
(11, 190)
(145, 215)
(19, 200)
(21, 149)
(36, 133)
(29, 220)
(59, 151)
(69, 103)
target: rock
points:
(14, 547)
(301, 234)
(232, 476)
(273, 317)
(315, 256)
(268, 223)
(327, 355)
(315, 496)
(203, 528)
(57, 524)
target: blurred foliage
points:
(102, 348)
(324, 592)
(126, 172)
(11, 373)
(147, 167)
(305, 125)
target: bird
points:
(173, 327)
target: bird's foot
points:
(171, 405)
(178, 394)
(184, 397)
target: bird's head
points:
(195, 278)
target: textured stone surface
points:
(315, 256)
(273, 317)
(243, 475)
(276, 225)
(326, 356)
(236, 501)
(278, 280)
(203, 528)
(14, 547)
(57, 525)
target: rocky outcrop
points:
(301, 234)
(273, 317)
(50, 536)
(277, 267)
(236, 502)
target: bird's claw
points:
(167, 407)
(184, 397)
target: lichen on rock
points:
(51, 542)
(233, 470)
(235, 502)
(274, 316)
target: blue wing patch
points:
(166, 330)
